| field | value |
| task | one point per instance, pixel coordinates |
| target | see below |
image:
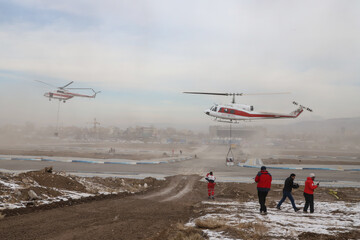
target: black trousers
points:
(309, 200)
(262, 198)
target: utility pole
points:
(94, 132)
(95, 123)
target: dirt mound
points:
(53, 180)
(42, 187)
(40, 191)
(112, 185)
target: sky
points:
(142, 55)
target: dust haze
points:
(251, 140)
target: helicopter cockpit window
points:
(215, 109)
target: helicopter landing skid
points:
(226, 121)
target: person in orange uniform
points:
(309, 193)
(210, 178)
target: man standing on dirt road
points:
(309, 193)
(263, 179)
(288, 186)
(211, 185)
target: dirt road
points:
(144, 216)
(162, 211)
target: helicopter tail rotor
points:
(302, 107)
(96, 93)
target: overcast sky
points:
(143, 54)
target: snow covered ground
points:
(17, 190)
(45, 199)
(329, 218)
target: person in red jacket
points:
(309, 193)
(263, 179)
(211, 184)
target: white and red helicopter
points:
(233, 113)
(63, 93)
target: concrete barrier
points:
(130, 162)
(49, 160)
(125, 163)
(147, 162)
(22, 159)
(314, 168)
(299, 168)
(86, 161)
(249, 166)
(287, 168)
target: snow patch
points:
(328, 218)
(10, 185)
(213, 235)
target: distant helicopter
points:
(233, 113)
(63, 93)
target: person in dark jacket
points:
(263, 179)
(288, 186)
(309, 193)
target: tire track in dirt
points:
(188, 187)
(165, 191)
(120, 218)
(178, 187)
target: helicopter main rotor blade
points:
(46, 83)
(236, 94)
(250, 94)
(83, 89)
(209, 93)
(66, 85)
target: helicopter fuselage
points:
(65, 95)
(58, 95)
(240, 112)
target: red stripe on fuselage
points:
(246, 114)
(79, 95)
(58, 96)
(62, 95)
